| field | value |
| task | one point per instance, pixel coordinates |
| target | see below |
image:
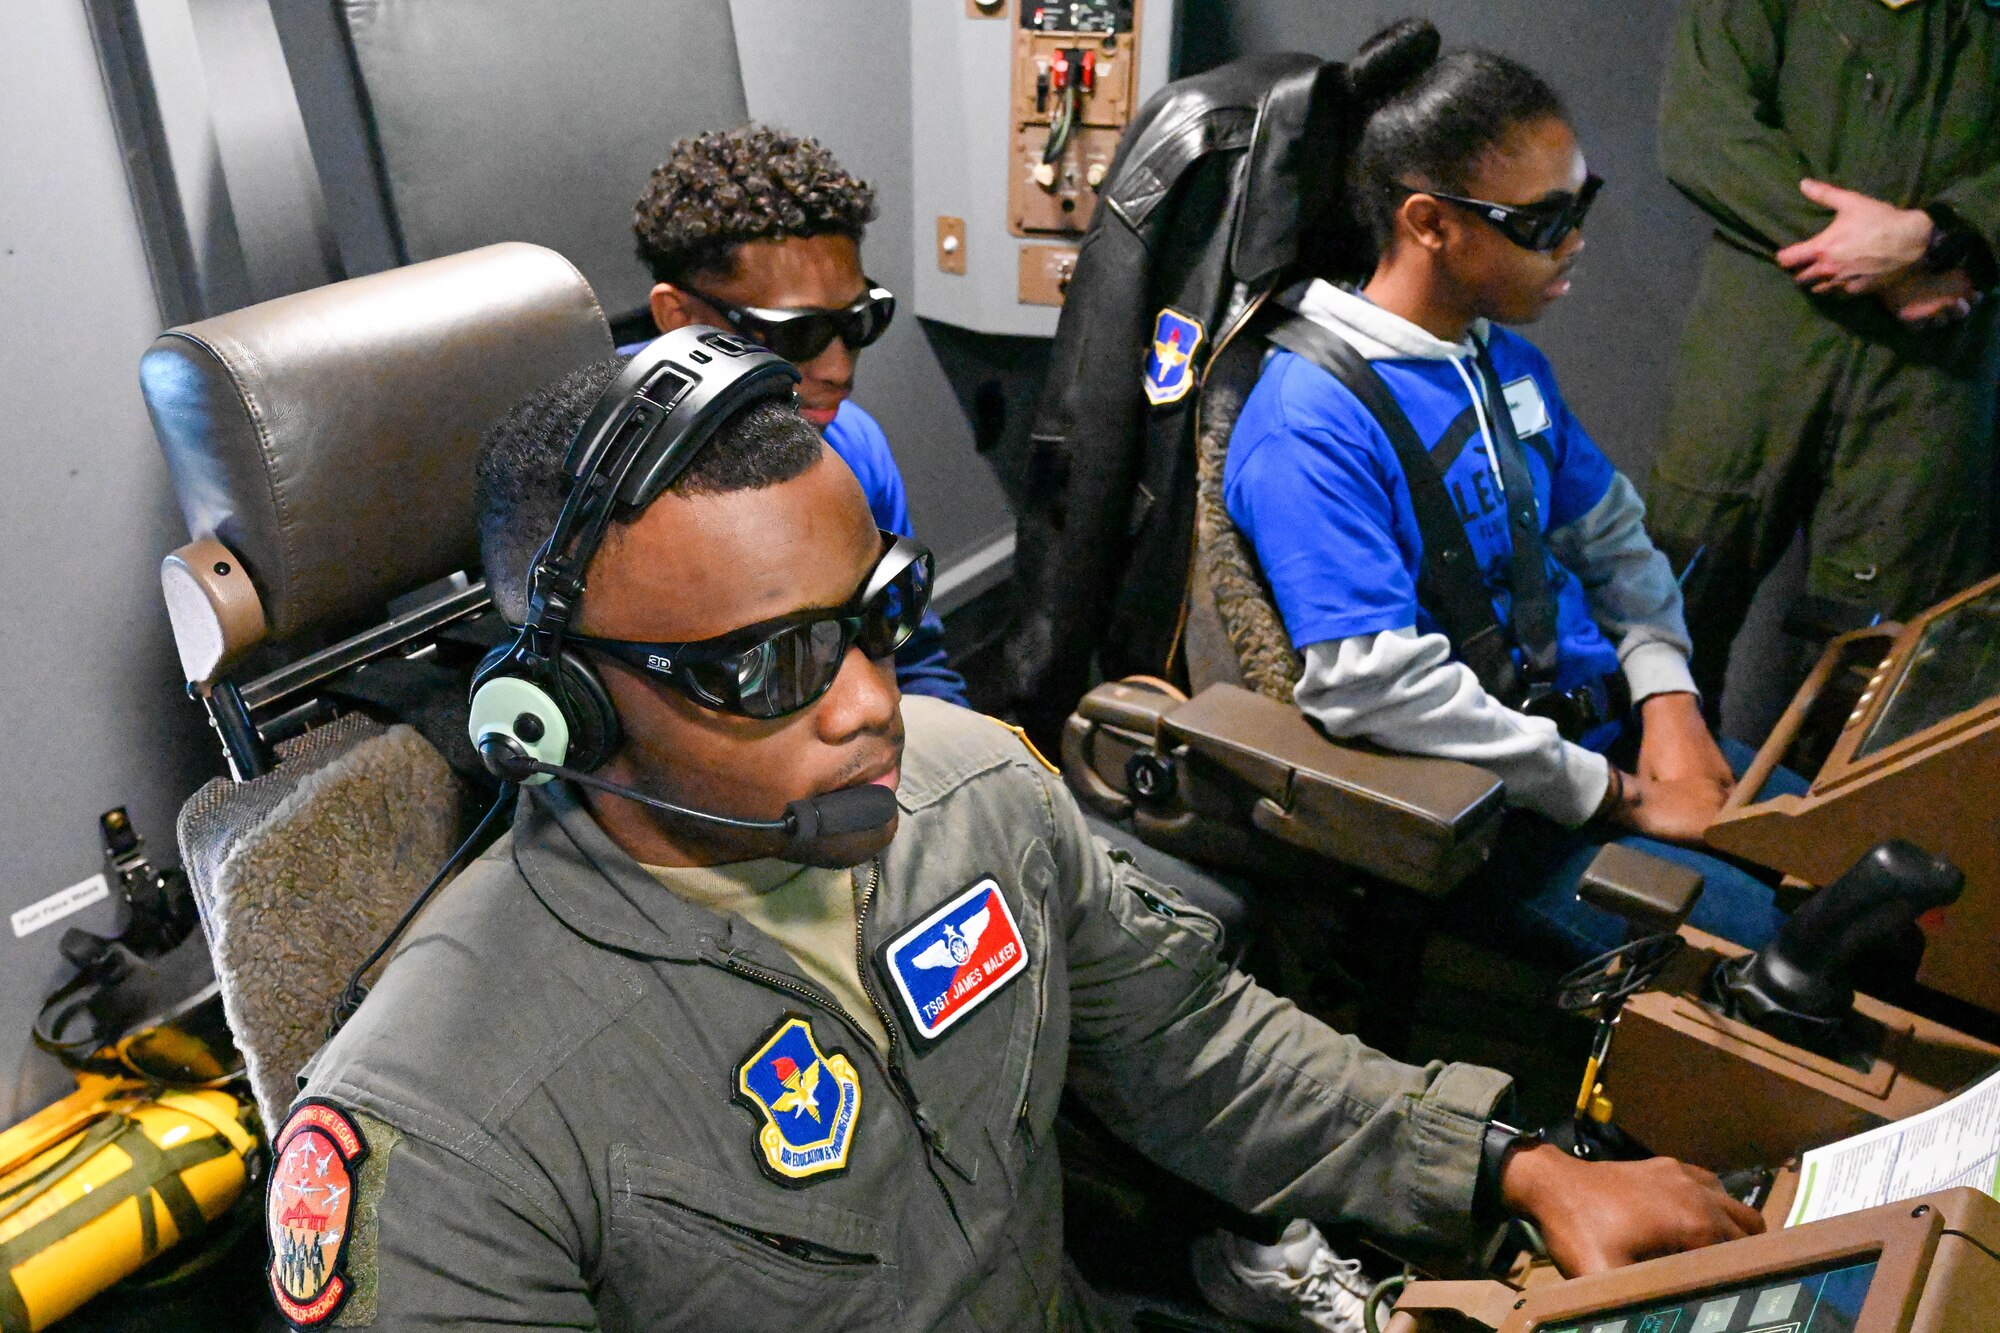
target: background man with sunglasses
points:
(1840, 372)
(759, 231)
(631, 1073)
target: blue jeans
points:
(1537, 864)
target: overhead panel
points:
(519, 121)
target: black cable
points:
(1595, 985)
(356, 991)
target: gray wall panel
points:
(522, 120)
(92, 712)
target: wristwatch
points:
(1500, 1139)
(1955, 244)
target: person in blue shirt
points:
(760, 232)
(1473, 185)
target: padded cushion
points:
(524, 122)
(301, 872)
(329, 438)
(1225, 566)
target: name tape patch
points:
(956, 959)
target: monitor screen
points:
(1955, 666)
(1826, 1301)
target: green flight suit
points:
(1792, 410)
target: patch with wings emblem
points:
(308, 1208)
(955, 959)
(808, 1099)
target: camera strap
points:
(1449, 583)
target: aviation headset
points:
(538, 709)
(535, 698)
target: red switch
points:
(1087, 80)
(1061, 71)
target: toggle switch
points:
(1045, 175)
(1094, 175)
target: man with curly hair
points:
(760, 231)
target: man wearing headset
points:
(632, 1071)
(760, 232)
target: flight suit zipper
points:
(864, 900)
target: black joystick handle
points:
(1797, 987)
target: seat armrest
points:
(213, 607)
(1652, 893)
(1419, 822)
(1112, 723)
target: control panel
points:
(1018, 107)
(1074, 72)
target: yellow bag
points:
(96, 1185)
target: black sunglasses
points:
(802, 333)
(1539, 226)
(779, 666)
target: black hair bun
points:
(1392, 60)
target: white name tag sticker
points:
(61, 903)
(1525, 405)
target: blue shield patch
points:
(809, 1100)
(1170, 363)
(956, 959)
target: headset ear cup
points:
(594, 732)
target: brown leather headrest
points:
(329, 439)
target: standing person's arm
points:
(1720, 140)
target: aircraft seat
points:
(322, 447)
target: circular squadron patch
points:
(307, 1209)
(809, 1101)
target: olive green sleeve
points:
(1241, 1092)
(442, 1244)
(1976, 200)
(1719, 137)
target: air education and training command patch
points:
(1170, 363)
(956, 959)
(810, 1102)
(307, 1208)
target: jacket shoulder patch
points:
(310, 1210)
(1170, 360)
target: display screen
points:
(1955, 666)
(1828, 1301)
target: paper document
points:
(1957, 1143)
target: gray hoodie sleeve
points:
(1630, 590)
(1400, 689)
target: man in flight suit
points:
(1839, 372)
(629, 1073)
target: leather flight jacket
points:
(1222, 188)
(586, 1103)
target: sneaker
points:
(1298, 1284)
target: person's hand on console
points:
(1868, 242)
(1599, 1215)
